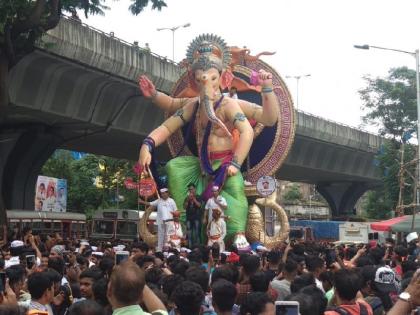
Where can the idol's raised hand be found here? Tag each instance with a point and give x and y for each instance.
(265, 78)
(147, 87)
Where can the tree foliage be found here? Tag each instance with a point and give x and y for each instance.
(390, 102)
(22, 22)
(93, 181)
(382, 202)
(391, 105)
(293, 194)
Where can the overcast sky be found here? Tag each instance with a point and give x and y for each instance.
(310, 37)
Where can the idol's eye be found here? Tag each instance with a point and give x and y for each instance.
(214, 77)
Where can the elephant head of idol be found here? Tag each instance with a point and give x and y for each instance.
(208, 59)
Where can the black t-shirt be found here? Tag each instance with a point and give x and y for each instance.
(192, 211)
(270, 274)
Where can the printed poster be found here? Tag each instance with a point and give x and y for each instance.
(51, 194)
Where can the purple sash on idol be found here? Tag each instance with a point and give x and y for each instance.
(218, 175)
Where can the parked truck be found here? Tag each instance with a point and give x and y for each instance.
(346, 232)
(311, 230)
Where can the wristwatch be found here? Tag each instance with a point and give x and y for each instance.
(406, 297)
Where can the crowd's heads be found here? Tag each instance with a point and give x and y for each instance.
(259, 282)
(347, 283)
(17, 248)
(327, 279)
(385, 280)
(86, 280)
(126, 285)
(250, 264)
(57, 263)
(16, 275)
(226, 272)
(99, 290)
(169, 283)
(13, 310)
(199, 276)
(315, 264)
(302, 281)
(274, 257)
(188, 297)
(153, 275)
(41, 288)
(57, 251)
(319, 301)
(290, 267)
(224, 294)
(306, 303)
(145, 262)
(257, 303)
(86, 307)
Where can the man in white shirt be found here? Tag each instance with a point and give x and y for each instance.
(165, 206)
(215, 202)
(17, 248)
(174, 235)
(216, 230)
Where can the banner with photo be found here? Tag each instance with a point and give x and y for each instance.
(51, 194)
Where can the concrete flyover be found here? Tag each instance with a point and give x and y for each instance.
(338, 159)
(78, 91)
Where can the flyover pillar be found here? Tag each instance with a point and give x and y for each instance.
(342, 197)
(23, 152)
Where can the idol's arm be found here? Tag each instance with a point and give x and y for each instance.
(246, 136)
(162, 100)
(267, 114)
(163, 132)
(168, 103)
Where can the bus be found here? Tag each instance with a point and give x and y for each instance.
(67, 224)
(119, 224)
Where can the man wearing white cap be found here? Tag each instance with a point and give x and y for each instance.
(165, 206)
(174, 234)
(215, 202)
(216, 230)
(17, 248)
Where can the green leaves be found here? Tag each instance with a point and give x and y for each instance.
(93, 181)
(381, 203)
(391, 105)
(293, 194)
(390, 102)
(138, 5)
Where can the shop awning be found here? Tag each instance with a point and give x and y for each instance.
(405, 225)
(387, 224)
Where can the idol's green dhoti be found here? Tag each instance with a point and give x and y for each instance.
(186, 169)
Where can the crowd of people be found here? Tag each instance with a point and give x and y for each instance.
(45, 274)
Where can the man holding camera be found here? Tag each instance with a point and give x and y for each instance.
(192, 206)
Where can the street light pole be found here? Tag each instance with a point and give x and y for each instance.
(415, 54)
(173, 29)
(297, 77)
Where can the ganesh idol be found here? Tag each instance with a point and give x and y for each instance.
(219, 126)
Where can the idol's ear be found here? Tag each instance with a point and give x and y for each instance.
(226, 79)
(191, 80)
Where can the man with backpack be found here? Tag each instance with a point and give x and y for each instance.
(347, 285)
